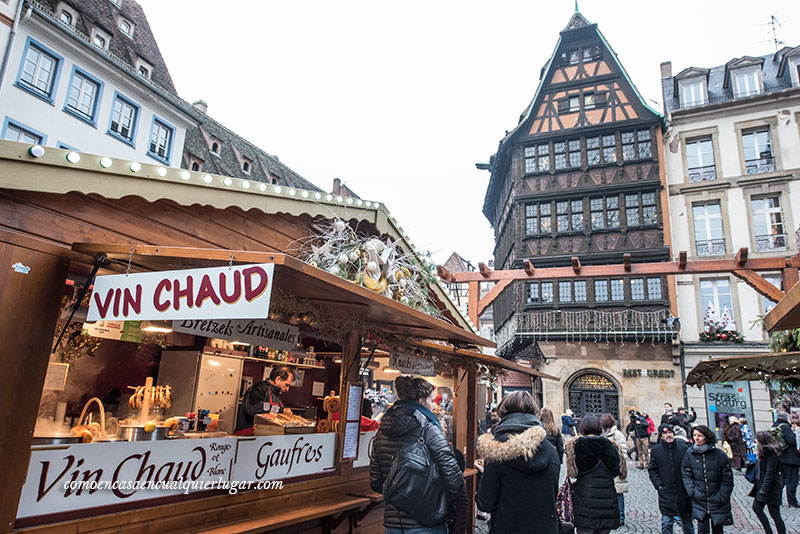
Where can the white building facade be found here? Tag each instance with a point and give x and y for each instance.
(92, 80)
(732, 156)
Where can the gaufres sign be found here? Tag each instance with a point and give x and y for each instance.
(235, 292)
(122, 471)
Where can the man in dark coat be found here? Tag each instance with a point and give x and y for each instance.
(789, 458)
(708, 479)
(520, 477)
(639, 426)
(665, 474)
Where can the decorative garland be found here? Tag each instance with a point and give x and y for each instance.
(730, 336)
(380, 266)
(75, 343)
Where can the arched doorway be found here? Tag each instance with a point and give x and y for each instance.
(593, 393)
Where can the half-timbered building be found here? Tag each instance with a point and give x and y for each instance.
(579, 181)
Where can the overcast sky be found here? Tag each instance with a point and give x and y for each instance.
(401, 99)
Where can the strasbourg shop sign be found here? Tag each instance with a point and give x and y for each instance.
(234, 292)
(186, 466)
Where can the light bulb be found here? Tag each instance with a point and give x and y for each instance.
(73, 157)
(36, 151)
(186, 175)
(161, 171)
(227, 181)
(207, 178)
(135, 166)
(105, 162)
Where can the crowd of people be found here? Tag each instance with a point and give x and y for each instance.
(522, 452)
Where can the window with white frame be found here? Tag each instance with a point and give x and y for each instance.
(537, 158)
(99, 40)
(38, 71)
(775, 280)
(82, 95)
(569, 215)
(692, 93)
(125, 27)
(768, 222)
(708, 235)
(604, 212)
(123, 118)
(540, 292)
(66, 17)
(718, 294)
(700, 159)
(640, 209)
(15, 132)
(538, 219)
(757, 149)
(160, 140)
(746, 83)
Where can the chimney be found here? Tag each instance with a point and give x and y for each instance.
(201, 106)
(666, 69)
(337, 186)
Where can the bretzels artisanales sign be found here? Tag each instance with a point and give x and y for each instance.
(234, 292)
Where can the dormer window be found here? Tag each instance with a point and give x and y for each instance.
(215, 148)
(143, 68)
(66, 18)
(99, 41)
(693, 92)
(246, 164)
(143, 72)
(125, 26)
(195, 166)
(746, 83)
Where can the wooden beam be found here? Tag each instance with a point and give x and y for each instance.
(485, 271)
(528, 267)
(626, 262)
(790, 278)
(444, 274)
(682, 259)
(786, 313)
(576, 264)
(472, 302)
(636, 269)
(492, 294)
(741, 256)
(759, 283)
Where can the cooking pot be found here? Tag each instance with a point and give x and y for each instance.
(57, 439)
(137, 433)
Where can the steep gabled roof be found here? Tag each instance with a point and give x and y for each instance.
(737, 63)
(577, 28)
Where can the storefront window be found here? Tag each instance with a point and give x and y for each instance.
(726, 399)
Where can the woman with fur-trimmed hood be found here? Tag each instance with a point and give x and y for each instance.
(593, 461)
(520, 478)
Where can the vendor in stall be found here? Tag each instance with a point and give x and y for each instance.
(264, 397)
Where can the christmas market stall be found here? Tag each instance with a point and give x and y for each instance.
(143, 305)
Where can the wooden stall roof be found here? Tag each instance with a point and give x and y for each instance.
(485, 359)
(300, 280)
(746, 367)
(53, 173)
(786, 313)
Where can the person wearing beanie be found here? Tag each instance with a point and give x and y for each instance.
(665, 474)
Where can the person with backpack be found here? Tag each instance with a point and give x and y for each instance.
(520, 474)
(708, 479)
(665, 474)
(415, 501)
(767, 487)
(789, 458)
(568, 424)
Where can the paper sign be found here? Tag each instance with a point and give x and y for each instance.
(259, 332)
(318, 389)
(56, 377)
(350, 447)
(412, 365)
(235, 292)
(118, 330)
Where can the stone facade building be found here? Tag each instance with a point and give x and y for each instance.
(732, 156)
(579, 181)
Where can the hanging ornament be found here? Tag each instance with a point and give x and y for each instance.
(372, 266)
(333, 269)
(339, 225)
(353, 255)
(343, 258)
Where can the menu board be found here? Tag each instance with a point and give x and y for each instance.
(56, 377)
(352, 420)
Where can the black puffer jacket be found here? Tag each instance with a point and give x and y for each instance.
(594, 461)
(708, 479)
(520, 478)
(665, 474)
(399, 427)
(767, 488)
(558, 442)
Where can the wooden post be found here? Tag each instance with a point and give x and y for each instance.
(472, 302)
(33, 284)
(471, 436)
(351, 356)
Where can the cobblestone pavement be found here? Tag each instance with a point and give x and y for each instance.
(642, 515)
